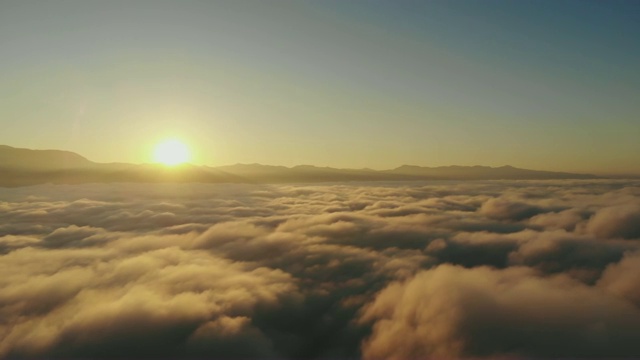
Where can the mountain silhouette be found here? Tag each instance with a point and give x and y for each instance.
(27, 159)
(21, 167)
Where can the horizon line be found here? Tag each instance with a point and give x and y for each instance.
(617, 174)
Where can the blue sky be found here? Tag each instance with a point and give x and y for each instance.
(539, 84)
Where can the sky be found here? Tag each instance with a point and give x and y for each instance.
(551, 85)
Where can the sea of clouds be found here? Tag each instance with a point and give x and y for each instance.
(375, 270)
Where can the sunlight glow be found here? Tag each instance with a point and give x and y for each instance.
(171, 152)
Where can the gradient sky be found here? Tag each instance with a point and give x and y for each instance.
(538, 84)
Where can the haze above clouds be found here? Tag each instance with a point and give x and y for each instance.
(548, 85)
(377, 270)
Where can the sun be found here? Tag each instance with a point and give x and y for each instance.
(171, 152)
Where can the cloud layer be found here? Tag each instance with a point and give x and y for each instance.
(387, 270)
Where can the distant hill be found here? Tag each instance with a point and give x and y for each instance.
(16, 158)
(20, 167)
(484, 173)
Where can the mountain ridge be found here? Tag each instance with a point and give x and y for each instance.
(19, 167)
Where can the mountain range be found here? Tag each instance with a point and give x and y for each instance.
(20, 167)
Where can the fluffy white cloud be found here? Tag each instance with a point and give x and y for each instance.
(453, 312)
(199, 270)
